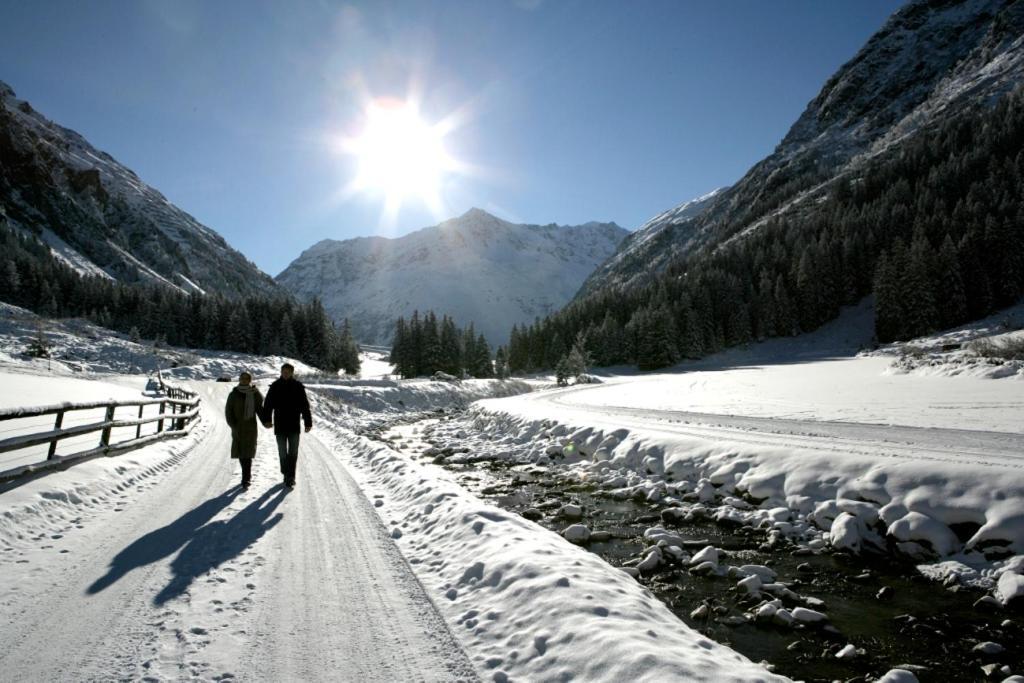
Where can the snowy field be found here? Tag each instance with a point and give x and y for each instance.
(822, 377)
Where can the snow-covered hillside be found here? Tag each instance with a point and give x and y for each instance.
(77, 347)
(99, 217)
(929, 61)
(668, 233)
(476, 268)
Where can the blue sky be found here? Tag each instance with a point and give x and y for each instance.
(568, 111)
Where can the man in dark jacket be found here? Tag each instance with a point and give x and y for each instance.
(286, 401)
(244, 403)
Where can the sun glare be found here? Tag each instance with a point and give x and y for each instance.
(399, 156)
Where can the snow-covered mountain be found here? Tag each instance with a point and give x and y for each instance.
(476, 268)
(667, 234)
(931, 59)
(100, 218)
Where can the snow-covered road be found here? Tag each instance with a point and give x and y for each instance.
(190, 578)
(961, 446)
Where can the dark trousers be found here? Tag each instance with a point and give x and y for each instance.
(246, 470)
(288, 453)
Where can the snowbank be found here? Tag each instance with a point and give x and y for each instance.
(960, 352)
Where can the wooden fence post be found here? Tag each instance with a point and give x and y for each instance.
(53, 444)
(138, 428)
(109, 417)
(160, 424)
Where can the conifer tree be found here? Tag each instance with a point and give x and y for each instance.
(482, 367)
(286, 333)
(950, 289)
(501, 364)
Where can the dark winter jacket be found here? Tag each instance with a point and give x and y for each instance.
(286, 401)
(243, 432)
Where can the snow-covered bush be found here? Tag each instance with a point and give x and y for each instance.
(1010, 348)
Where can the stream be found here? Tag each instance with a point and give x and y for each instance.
(892, 615)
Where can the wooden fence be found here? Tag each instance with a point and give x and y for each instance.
(178, 412)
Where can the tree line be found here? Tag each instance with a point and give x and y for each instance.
(424, 345)
(32, 278)
(934, 229)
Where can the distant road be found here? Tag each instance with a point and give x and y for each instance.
(920, 443)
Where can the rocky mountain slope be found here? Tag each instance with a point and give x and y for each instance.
(476, 268)
(99, 217)
(669, 233)
(931, 60)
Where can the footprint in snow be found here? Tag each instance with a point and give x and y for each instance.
(472, 573)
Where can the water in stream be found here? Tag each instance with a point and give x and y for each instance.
(916, 624)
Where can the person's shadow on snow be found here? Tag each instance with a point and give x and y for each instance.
(218, 542)
(161, 542)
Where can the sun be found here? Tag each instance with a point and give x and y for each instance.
(399, 155)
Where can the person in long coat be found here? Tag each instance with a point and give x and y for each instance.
(244, 406)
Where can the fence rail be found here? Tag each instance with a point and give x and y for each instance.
(180, 410)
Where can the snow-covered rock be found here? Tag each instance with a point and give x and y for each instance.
(571, 511)
(1010, 587)
(923, 537)
(808, 616)
(988, 648)
(847, 532)
(707, 554)
(651, 560)
(849, 651)
(577, 533)
(750, 585)
(658, 535)
(898, 676)
(766, 574)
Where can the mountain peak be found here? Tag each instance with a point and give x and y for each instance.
(477, 213)
(475, 267)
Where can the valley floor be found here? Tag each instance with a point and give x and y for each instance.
(381, 566)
